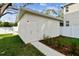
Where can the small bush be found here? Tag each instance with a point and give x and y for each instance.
(1, 24)
(57, 43)
(73, 48)
(15, 24)
(7, 24)
(48, 40)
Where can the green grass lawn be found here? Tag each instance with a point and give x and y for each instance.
(65, 45)
(12, 45)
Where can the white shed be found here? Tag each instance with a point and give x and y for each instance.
(33, 25)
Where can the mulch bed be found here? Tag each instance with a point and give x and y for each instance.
(66, 49)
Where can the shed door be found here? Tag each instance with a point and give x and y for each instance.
(34, 30)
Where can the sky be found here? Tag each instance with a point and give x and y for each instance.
(36, 6)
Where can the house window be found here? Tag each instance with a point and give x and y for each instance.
(67, 23)
(61, 23)
(67, 9)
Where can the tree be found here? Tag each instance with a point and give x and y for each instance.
(11, 8)
(0, 23)
(49, 12)
(61, 13)
(3, 7)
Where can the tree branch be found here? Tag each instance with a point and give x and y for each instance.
(14, 8)
(7, 13)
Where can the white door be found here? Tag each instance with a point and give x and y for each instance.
(33, 31)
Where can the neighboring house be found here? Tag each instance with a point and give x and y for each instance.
(33, 26)
(71, 14)
(71, 20)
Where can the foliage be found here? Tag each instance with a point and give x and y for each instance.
(0, 23)
(13, 9)
(49, 12)
(15, 24)
(7, 24)
(57, 43)
(47, 40)
(73, 48)
(61, 14)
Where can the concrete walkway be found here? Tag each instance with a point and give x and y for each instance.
(46, 50)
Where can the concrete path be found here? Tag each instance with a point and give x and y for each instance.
(46, 50)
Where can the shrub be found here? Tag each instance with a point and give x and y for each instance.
(1, 24)
(7, 24)
(15, 24)
(73, 48)
(57, 43)
(48, 40)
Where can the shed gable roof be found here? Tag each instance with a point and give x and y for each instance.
(24, 11)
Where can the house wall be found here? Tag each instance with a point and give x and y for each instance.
(33, 27)
(72, 31)
(72, 8)
(73, 17)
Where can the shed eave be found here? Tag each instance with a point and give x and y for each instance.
(68, 4)
(24, 11)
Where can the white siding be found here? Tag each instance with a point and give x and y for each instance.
(33, 27)
(73, 18)
(72, 31)
(72, 8)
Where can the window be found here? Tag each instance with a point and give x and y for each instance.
(67, 23)
(67, 9)
(61, 23)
